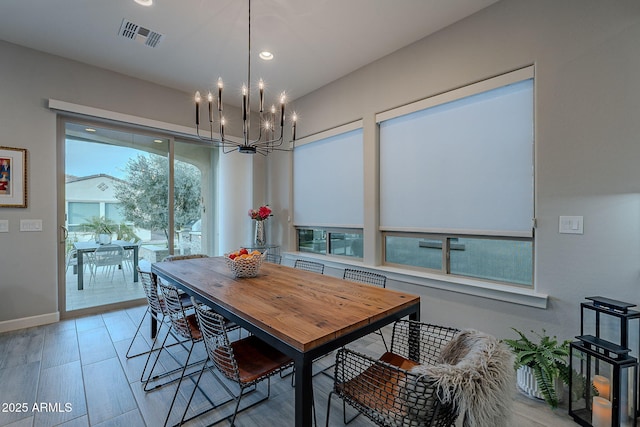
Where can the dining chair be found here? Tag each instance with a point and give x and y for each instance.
(386, 390)
(183, 328)
(313, 266)
(369, 278)
(109, 258)
(273, 258)
(245, 362)
(156, 310)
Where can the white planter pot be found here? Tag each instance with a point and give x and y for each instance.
(528, 385)
(104, 239)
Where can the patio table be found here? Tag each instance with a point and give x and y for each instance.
(87, 247)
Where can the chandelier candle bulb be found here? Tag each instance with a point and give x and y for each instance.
(261, 86)
(219, 93)
(210, 99)
(244, 102)
(282, 99)
(198, 99)
(295, 119)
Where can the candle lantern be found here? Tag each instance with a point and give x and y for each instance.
(602, 384)
(614, 321)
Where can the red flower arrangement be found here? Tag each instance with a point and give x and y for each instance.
(260, 214)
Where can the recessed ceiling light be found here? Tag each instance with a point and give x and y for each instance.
(267, 56)
(144, 2)
(90, 130)
(158, 141)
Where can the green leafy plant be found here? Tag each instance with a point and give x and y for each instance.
(99, 225)
(547, 358)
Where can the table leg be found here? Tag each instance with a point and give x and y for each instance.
(135, 263)
(304, 392)
(80, 270)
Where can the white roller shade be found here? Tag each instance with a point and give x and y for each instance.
(465, 166)
(328, 181)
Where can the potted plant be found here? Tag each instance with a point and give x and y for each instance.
(542, 367)
(101, 229)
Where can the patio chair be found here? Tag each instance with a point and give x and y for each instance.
(245, 362)
(369, 278)
(72, 261)
(313, 266)
(431, 375)
(109, 258)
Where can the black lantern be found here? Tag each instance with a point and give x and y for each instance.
(604, 377)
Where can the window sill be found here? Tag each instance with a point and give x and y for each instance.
(464, 285)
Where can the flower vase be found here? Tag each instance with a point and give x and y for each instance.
(260, 238)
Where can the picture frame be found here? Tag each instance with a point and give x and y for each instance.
(13, 177)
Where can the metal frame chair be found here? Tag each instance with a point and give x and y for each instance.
(273, 258)
(368, 278)
(245, 362)
(183, 328)
(385, 390)
(155, 309)
(312, 266)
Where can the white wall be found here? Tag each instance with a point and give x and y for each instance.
(587, 60)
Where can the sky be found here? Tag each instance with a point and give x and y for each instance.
(86, 158)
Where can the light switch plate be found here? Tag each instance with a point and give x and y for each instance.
(30, 225)
(4, 225)
(571, 225)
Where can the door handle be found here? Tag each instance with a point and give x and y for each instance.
(65, 233)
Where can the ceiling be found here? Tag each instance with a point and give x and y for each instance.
(314, 41)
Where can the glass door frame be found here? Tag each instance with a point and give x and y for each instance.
(61, 121)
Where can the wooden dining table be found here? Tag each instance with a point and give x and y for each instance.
(303, 314)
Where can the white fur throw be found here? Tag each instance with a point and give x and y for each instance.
(476, 372)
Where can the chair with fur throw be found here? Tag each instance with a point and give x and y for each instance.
(430, 376)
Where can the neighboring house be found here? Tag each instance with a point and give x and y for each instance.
(91, 196)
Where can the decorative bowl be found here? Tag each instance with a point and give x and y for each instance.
(245, 265)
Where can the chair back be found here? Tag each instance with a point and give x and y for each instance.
(107, 255)
(150, 288)
(216, 341)
(180, 257)
(365, 277)
(176, 312)
(273, 258)
(420, 342)
(315, 267)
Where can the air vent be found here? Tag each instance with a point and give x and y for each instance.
(135, 32)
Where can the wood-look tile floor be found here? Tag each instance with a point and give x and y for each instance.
(75, 373)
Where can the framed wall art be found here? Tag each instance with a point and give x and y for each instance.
(13, 177)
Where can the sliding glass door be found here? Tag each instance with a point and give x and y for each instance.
(130, 197)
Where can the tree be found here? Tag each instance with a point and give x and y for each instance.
(144, 193)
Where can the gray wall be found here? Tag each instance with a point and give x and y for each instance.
(28, 261)
(587, 60)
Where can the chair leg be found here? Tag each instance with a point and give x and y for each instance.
(175, 395)
(136, 334)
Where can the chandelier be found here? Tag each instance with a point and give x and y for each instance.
(269, 138)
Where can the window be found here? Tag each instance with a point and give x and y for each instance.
(328, 192)
(495, 259)
(325, 241)
(456, 181)
(80, 213)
